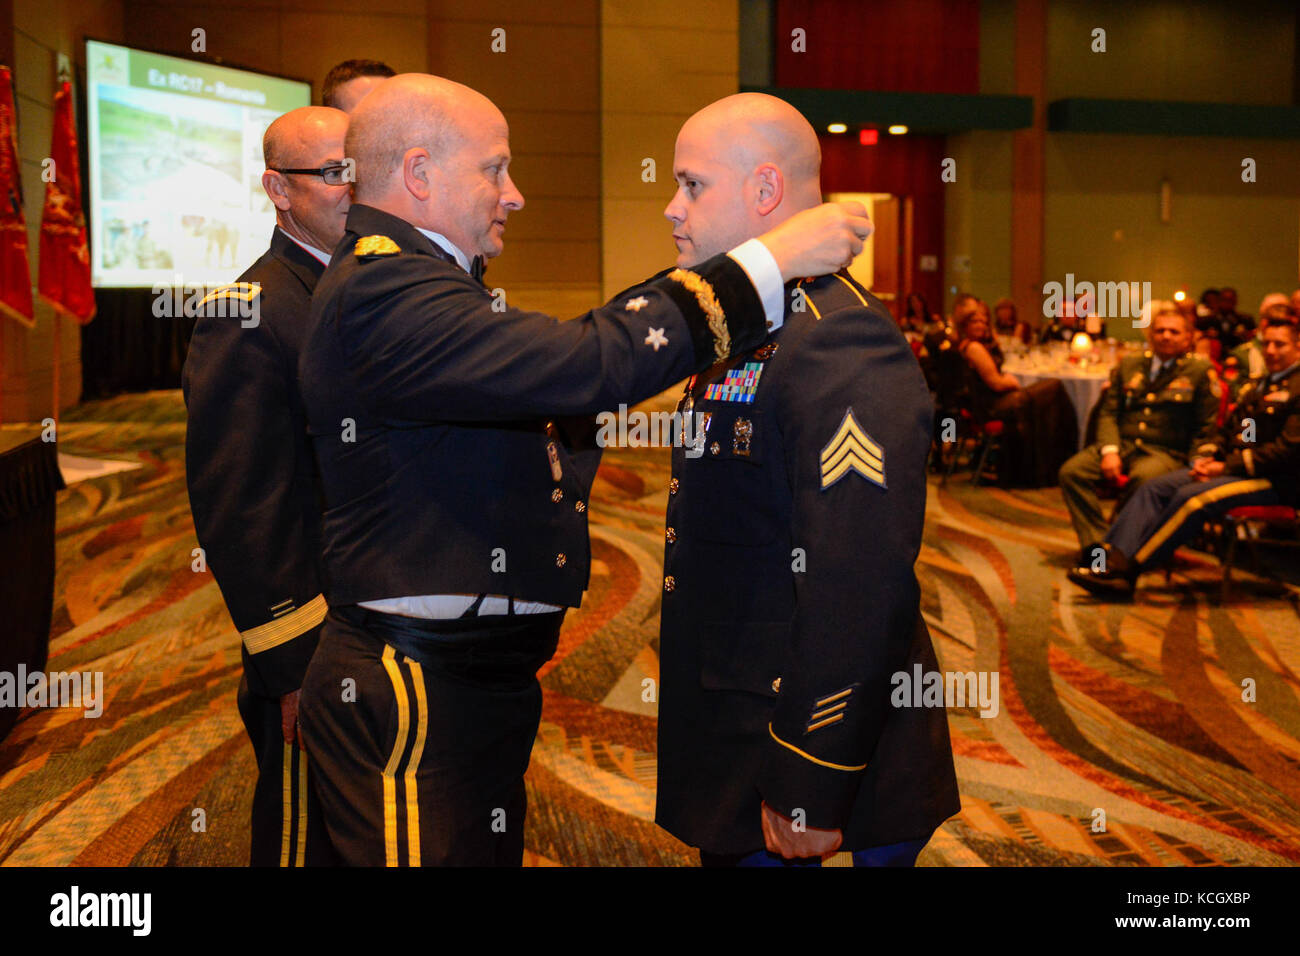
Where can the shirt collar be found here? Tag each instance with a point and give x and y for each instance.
(322, 256)
(448, 246)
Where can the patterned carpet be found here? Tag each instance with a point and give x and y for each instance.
(1134, 711)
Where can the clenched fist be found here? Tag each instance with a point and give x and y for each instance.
(820, 240)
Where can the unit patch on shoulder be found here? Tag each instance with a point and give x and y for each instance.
(852, 449)
(370, 246)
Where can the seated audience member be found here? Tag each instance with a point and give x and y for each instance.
(1087, 317)
(1006, 321)
(1255, 461)
(962, 305)
(1209, 305)
(976, 344)
(917, 317)
(1208, 345)
(1246, 361)
(936, 352)
(1062, 326)
(1295, 302)
(1187, 309)
(1235, 327)
(1158, 409)
(1039, 424)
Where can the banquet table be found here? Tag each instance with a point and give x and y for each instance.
(1083, 385)
(29, 480)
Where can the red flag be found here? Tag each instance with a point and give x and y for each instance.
(65, 256)
(15, 274)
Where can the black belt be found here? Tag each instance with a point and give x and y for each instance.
(475, 648)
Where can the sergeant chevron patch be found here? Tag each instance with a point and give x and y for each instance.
(852, 449)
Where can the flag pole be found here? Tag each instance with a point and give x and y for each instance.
(58, 361)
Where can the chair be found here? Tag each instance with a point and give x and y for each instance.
(1245, 524)
(990, 442)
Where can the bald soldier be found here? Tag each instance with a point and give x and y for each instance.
(249, 469)
(790, 607)
(456, 490)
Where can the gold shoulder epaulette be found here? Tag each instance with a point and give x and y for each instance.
(371, 246)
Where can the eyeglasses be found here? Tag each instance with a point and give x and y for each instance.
(333, 175)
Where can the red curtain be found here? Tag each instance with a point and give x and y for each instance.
(920, 46)
(903, 166)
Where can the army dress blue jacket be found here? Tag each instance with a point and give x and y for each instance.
(790, 598)
(249, 465)
(442, 419)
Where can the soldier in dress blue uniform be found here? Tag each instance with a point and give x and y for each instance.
(456, 490)
(1256, 462)
(251, 477)
(793, 524)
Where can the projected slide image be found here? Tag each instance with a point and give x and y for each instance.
(132, 242)
(175, 166)
(151, 152)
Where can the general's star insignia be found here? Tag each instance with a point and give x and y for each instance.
(852, 449)
(656, 338)
(637, 304)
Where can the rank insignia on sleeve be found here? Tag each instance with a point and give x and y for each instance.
(852, 449)
(829, 709)
(656, 338)
(368, 246)
(637, 304)
(244, 291)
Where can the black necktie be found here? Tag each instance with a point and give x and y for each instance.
(477, 268)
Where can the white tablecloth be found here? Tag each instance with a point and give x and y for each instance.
(1084, 388)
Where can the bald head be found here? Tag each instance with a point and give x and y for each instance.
(435, 153)
(307, 207)
(412, 110)
(292, 139)
(749, 129)
(743, 165)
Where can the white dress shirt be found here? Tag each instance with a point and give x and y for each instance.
(322, 256)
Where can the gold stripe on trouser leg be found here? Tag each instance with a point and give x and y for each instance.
(390, 771)
(843, 858)
(412, 765)
(301, 859)
(1193, 504)
(286, 803)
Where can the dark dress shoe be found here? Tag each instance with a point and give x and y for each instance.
(1103, 583)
